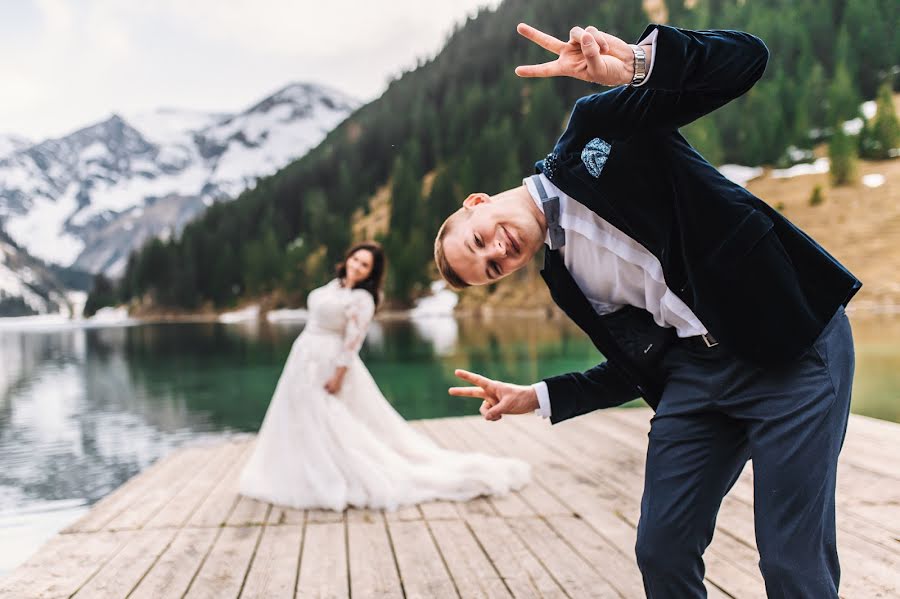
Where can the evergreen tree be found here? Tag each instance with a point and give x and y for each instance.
(405, 244)
(185, 290)
(816, 88)
(883, 133)
(703, 135)
(444, 198)
(843, 99)
(816, 198)
(870, 31)
(103, 293)
(843, 156)
(262, 263)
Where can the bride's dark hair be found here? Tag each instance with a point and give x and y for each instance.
(375, 280)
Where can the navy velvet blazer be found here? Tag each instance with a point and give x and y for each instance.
(762, 287)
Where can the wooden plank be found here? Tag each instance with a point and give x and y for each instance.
(575, 575)
(222, 574)
(471, 569)
(163, 489)
(881, 431)
(510, 505)
(116, 502)
(866, 572)
(726, 567)
(523, 574)
(590, 499)
(480, 506)
(619, 571)
(323, 516)
(535, 494)
(867, 507)
(732, 554)
(179, 509)
(171, 575)
(869, 497)
(248, 512)
(623, 475)
(217, 506)
(63, 565)
(588, 478)
(373, 570)
(364, 515)
(736, 519)
(285, 515)
(273, 572)
(406, 513)
(122, 573)
(439, 510)
(421, 567)
(323, 567)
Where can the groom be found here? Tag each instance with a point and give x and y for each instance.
(712, 306)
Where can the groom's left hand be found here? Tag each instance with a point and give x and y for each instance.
(499, 397)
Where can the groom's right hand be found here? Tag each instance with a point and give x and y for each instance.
(590, 55)
(499, 397)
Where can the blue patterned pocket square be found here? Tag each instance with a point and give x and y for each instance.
(594, 156)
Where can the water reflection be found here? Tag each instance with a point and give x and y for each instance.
(876, 386)
(74, 421)
(441, 332)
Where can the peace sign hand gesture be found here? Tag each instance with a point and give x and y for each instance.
(589, 55)
(499, 397)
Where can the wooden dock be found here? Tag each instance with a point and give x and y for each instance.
(180, 530)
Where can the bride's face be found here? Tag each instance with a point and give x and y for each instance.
(359, 266)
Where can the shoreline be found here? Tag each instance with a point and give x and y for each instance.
(859, 309)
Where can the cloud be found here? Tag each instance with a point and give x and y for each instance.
(89, 58)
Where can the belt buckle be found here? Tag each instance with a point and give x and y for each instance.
(709, 340)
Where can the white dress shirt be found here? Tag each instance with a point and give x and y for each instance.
(612, 270)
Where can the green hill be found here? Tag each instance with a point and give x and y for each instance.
(463, 121)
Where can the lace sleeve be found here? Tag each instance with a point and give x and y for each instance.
(359, 314)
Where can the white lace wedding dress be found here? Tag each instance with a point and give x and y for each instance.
(316, 450)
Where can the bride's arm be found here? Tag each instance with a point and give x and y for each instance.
(359, 314)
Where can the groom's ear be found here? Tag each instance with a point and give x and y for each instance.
(476, 199)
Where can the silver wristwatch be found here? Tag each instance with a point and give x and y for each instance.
(640, 64)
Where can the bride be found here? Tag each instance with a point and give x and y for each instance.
(331, 440)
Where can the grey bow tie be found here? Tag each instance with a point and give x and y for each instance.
(551, 214)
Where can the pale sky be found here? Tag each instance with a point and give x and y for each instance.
(65, 64)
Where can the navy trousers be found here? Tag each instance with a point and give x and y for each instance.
(716, 413)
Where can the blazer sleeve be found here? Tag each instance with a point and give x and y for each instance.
(694, 73)
(577, 393)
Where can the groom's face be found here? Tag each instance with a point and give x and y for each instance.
(490, 240)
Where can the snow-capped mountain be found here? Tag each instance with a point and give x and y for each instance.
(88, 199)
(12, 143)
(26, 285)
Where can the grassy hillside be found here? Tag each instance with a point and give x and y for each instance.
(860, 226)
